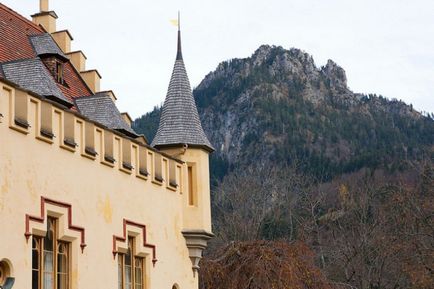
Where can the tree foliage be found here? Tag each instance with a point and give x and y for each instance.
(367, 230)
(262, 264)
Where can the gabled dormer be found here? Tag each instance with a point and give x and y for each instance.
(51, 55)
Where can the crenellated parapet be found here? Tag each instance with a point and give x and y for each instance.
(42, 120)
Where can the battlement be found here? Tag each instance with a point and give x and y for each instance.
(48, 122)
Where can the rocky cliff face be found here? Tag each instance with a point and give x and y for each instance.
(277, 106)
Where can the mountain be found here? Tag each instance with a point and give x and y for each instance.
(348, 175)
(277, 107)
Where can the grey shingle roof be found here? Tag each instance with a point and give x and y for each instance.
(44, 44)
(31, 74)
(179, 122)
(101, 108)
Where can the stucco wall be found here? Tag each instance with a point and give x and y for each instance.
(101, 197)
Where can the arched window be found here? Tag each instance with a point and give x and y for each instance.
(130, 268)
(50, 260)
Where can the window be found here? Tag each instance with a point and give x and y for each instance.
(130, 269)
(192, 197)
(59, 72)
(50, 260)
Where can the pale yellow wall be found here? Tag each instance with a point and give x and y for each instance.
(196, 216)
(101, 197)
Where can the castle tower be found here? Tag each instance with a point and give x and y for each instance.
(180, 134)
(179, 123)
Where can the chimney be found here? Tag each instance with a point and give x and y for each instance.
(92, 79)
(127, 118)
(43, 6)
(45, 17)
(78, 60)
(63, 39)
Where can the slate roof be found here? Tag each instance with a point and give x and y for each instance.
(179, 122)
(31, 74)
(44, 45)
(101, 108)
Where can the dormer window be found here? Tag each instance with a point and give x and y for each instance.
(56, 67)
(59, 72)
(51, 54)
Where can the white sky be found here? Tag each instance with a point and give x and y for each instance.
(385, 46)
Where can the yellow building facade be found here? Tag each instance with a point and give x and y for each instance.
(87, 205)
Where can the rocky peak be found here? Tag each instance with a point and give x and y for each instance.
(334, 75)
(261, 54)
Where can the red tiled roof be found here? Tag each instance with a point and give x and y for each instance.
(15, 45)
(76, 85)
(14, 32)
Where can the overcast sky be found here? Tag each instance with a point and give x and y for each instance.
(385, 46)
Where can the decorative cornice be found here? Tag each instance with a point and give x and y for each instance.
(42, 218)
(123, 239)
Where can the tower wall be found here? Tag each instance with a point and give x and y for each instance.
(196, 214)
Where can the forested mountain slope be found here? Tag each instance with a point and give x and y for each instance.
(277, 106)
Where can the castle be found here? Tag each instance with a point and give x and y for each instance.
(86, 202)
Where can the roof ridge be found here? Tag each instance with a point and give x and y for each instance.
(20, 17)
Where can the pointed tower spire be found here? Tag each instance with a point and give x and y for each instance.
(179, 52)
(179, 123)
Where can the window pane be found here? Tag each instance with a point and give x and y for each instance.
(49, 237)
(62, 273)
(120, 272)
(129, 265)
(138, 266)
(35, 279)
(48, 270)
(62, 261)
(62, 281)
(62, 266)
(48, 281)
(48, 260)
(128, 277)
(128, 257)
(35, 253)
